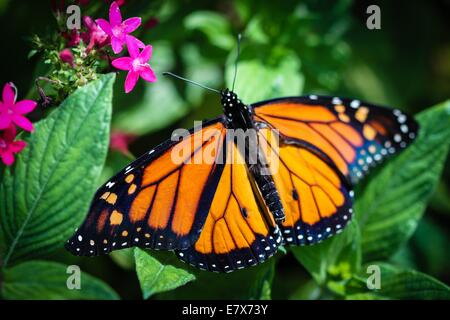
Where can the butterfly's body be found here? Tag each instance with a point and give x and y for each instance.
(239, 117)
(223, 216)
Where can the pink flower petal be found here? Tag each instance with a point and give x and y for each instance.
(9, 94)
(24, 106)
(18, 146)
(132, 24)
(131, 80)
(116, 44)
(114, 14)
(104, 25)
(5, 121)
(148, 75)
(22, 122)
(123, 63)
(7, 158)
(146, 54)
(132, 45)
(88, 22)
(140, 44)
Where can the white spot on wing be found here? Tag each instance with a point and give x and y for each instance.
(354, 104)
(404, 128)
(401, 118)
(336, 100)
(110, 184)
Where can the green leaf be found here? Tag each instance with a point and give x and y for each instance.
(261, 288)
(308, 290)
(394, 200)
(47, 193)
(248, 283)
(156, 277)
(48, 280)
(255, 31)
(257, 80)
(440, 201)
(214, 25)
(200, 68)
(338, 256)
(397, 283)
(124, 258)
(433, 259)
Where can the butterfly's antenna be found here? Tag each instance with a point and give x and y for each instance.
(190, 81)
(237, 59)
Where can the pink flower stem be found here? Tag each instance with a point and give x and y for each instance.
(45, 101)
(110, 66)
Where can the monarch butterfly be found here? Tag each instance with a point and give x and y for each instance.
(236, 210)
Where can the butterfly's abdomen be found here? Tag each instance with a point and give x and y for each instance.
(270, 195)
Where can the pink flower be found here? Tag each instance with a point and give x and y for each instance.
(72, 37)
(136, 64)
(119, 141)
(8, 147)
(118, 30)
(66, 56)
(12, 112)
(94, 36)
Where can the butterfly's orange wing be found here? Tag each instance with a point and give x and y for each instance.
(239, 231)
(159, 201)
(355, 135)
(316, 197)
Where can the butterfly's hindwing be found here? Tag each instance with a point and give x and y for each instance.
(316, 198)
(237, 232)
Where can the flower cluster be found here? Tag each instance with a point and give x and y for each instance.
(119, 33)
(12, 114)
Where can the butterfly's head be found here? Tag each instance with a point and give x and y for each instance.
(237, 113)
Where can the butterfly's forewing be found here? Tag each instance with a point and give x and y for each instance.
(160, 201)
(238, 231)
(317, 199)
(354, 134)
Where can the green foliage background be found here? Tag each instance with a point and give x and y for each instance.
(402, 218)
